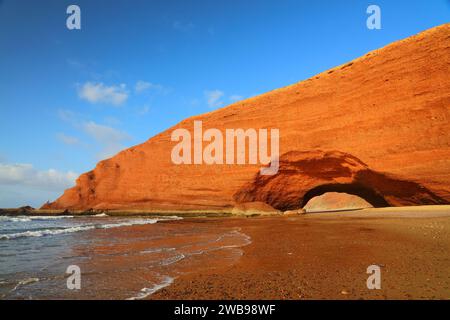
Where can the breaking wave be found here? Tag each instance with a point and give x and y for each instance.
(31, 218)
(84, 227)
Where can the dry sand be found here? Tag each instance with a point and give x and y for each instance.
(325, 256)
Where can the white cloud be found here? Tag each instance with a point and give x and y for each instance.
(235, 97)
(27, 175)
(142, 86)
(69, 140)
(213, 98)
(110, 139)
(100, 93)
(103, 133)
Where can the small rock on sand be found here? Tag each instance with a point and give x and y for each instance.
(294, 212)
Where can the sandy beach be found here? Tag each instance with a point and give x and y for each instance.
(309, 256)
(325, 256)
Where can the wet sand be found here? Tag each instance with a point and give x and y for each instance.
(311, 256)
(118, 257)
(326, 255)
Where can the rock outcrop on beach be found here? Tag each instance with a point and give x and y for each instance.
(16, 211)
(335, 201)
(376, 127)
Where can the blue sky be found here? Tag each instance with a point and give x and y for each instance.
(69, 98)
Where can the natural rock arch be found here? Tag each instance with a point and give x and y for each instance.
(304, 174)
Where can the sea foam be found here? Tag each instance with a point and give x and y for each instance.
(85, 227)
(145, 292)
(30, 218)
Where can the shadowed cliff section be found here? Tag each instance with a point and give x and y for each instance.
(389, 108)
(305, 175)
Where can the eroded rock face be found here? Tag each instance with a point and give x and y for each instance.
(377, 126)
(304, 175)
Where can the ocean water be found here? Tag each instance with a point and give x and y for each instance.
(119, 257)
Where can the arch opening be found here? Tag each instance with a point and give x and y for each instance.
(369, 195)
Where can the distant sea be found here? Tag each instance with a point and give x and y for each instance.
(119, 257)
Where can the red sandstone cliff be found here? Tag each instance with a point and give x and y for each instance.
(377, 127)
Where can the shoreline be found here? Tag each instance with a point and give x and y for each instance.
(112, 213)
(326, 256)
(310, 256)
(232, 212)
